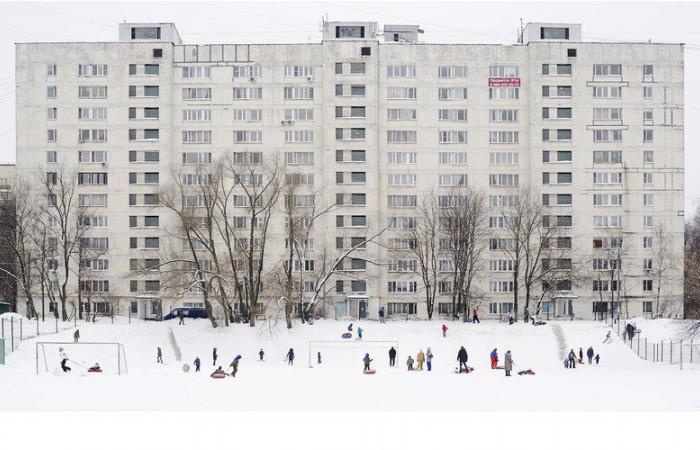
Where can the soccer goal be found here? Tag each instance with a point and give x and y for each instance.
(81, 356)
(344, 354)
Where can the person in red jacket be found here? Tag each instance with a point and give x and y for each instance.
(475, 316)
(444, 330)
(494, 358)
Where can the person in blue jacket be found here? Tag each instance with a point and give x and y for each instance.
(234, 365)
(197, 363)
(367, 360)
(290, 357)
(359, 332)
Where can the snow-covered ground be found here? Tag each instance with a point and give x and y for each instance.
(621, 381)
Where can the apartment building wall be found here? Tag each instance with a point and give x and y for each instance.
(666, 102)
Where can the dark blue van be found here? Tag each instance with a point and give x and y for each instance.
(190, 313)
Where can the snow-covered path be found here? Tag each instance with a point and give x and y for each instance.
(621, 382)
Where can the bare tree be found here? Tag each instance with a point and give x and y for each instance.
(463, 239)
(18, 223)
(664, 264)
(691, 279)
(64, 215)
(425, 248)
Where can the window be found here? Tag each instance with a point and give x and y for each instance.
(298, 93)
(92, 91)
(648, 178)
(504, 93)
(648, 156)
(453, 158)
(247, 71)
(503, 115)
(303, 158)
(647, 285)
(503, 158)
(402, 201)
(571, 52)
(647, 307)
(648, 92)
(51, 70)
(452, 93)
(196, 72)
(151, 69)
(365, 51)
(401, 179)
(607, 70)
(295, 136)
(556, 91)
(554, 33)
(648, 200)
(401, 93)
(401, 136)
(607, 114)
(452, 137)
(158, 52)
(296, 114)
(503, 137)
(452, 72)
(92, 70)
(51, 156)
(648, 221)
(607, 157)
(401, 157)
(401, 71)
(648, 116)
(503, 71)
(51, 113)
(607, 199)
(607, 135)
(196, 93)
(99, 113)
(298, 71)
(196, 158)
(247, 136)
(247, 93)
(51, 92)
(399, 113)
(560, 156)
(647, 70)
(648, 136)
(51, 135)
(503, 179)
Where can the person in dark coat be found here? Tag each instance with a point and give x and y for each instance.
(590, 354)
(261, 354)
(630, 331)
(526, 316)
(197, 363)
(160, 356)
(580, 355)
(462, 357)
(392, 357)
(214, 356)
(234, 365)
(359, 332)
(572, 359)
(181, 316)
(290, 357)
(597, 359)
(381, 315)
(367, 360)
(508, 363)
(76, 336)
(318, 357)
(350, 328)
(409, 363)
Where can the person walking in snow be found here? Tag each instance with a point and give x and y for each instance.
(261, 354)
(580, 355)
(359, 333)
(64, 360)
(234, 365)
(444, 330)
(381, 315)
(526, 315)
(475, 316)
(318, 357)
(350, 328)
(290, 357)
(409, 362)
(160, 356)
(590, 354)
(462, 357)
(197, 363)
(508, 363)
(76, 336)
(429, 359)
(214, 356)
(420, 358)
(392, 357)
(366, 360)
(597, 359)
(572, 359)
(181, 316)
(494, 358)
(566, 363)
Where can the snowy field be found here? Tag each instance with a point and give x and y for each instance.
(621, 381)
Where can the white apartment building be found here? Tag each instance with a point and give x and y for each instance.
(374, 122)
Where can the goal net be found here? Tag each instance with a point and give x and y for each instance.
(349, 354)
(81, 356)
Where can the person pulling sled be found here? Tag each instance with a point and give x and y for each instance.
(367, 360)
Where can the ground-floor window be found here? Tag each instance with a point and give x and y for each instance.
(646, 307)
(445, 309)
(501, 308)
(193, 304)
(134, 307)
(401, 308)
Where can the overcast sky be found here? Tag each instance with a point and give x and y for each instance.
(300, 22)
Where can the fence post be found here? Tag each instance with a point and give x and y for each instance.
(21, 336)
(119, 362)
(681, 354)
(662, 351)
(12, 332)
(37, 325)
(56, 319)
(645, 348)
(2, 325)
(691, 350)
(671, 358)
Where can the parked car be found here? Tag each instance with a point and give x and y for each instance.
(191, 313)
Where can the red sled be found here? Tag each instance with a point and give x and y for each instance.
(94, 370)
(369, 372)
(218, 375)
(346, 335)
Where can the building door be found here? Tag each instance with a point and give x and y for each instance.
(362, 309)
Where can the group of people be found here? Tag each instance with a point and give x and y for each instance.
(571, 360)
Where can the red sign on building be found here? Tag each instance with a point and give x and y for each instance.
(501, 82)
